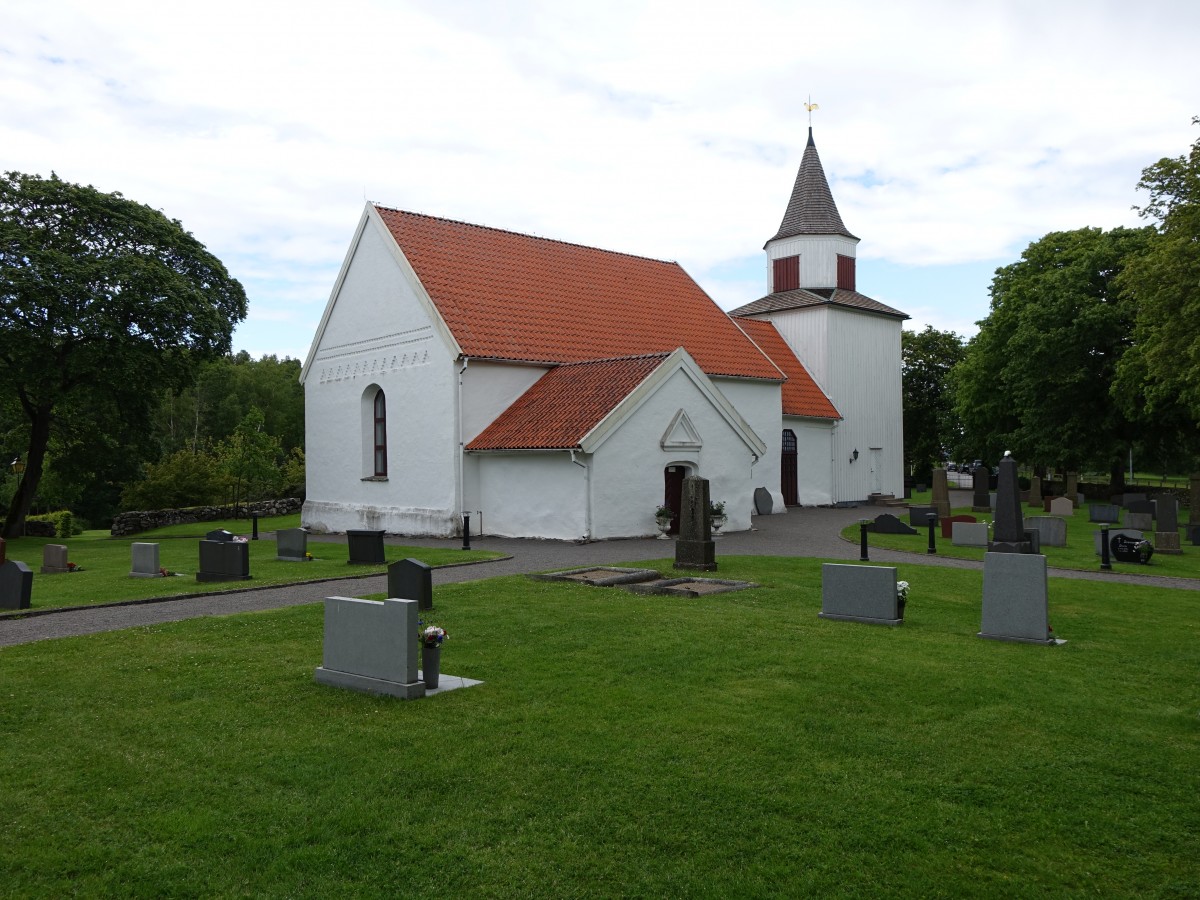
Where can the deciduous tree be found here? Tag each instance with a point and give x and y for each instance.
(105, 302)
(930, 423)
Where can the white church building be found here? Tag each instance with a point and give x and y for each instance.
(554, 390)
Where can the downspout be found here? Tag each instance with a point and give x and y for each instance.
(462, 447)
(587, 497)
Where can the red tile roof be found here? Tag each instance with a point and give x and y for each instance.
(801, 396)
(512, 296)
(566, 403)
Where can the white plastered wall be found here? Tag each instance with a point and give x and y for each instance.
(377, 332)
(814, 465)
(761, 405)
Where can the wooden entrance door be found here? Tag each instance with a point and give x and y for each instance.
(673, 493)
(787, 469)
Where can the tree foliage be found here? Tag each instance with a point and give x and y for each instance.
(1165, 281)
(1038, 377)
(105, 302)
(930, 422)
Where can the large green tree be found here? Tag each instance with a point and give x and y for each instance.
(1038, 377)
(105, 302)
(930, 422)
(1164, 363)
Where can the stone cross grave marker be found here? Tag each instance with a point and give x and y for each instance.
(411, 579)
(145, 561)
(371, 646)
(859, 594)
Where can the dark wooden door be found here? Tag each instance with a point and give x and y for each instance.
(673, 493)
(787, 469)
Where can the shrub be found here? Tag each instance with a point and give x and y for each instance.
(63, 522)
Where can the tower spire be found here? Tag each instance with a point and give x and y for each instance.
(811, 209)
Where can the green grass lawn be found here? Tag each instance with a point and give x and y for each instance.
(622, 745)
(106, 562)
(1080, 552)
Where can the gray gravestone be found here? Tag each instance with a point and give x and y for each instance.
(16, 585)
(1142, 507)
(1167, 542)
(889, 524)
(941, 493)
(1008, 531)
(291, 545)
(948, 524)
(365, 547)
(1104, 512)
(1097, 537)
(763, 504)
(1015, 604)
(1062, 506)
(145, 561)
(967, 534)
(223, 559)
(1134, 498)
(1139, 521)
(919, 515)
(411, 579)
(1052, 531)
(859, 594)
(1035, 491)
(1072, 489)
(54, 559)
(981, 499)
(371, 645)
(694, 548)
(1166, 513)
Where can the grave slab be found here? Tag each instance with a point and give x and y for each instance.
(1062, 506)
(860, 594)
(145, 561)
(599, 576)
(966, 534)
(1015, 606)
(1052, 530)
(371, 646)
(16, 585)
(886, 523)
(365, 547)
(291, 545)
(1104, 512)
(54, 559)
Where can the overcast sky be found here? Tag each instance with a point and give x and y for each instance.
(953, 133)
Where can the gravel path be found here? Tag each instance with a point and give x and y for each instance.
(809, 532)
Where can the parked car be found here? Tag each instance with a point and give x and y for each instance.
(978, 464)
(952, 467)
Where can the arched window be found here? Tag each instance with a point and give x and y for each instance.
(788, 474)
(380, 434)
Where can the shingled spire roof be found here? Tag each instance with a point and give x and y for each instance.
(811, 209)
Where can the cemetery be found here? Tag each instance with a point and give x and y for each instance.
(600, 710)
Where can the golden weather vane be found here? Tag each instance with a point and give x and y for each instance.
(810, 106)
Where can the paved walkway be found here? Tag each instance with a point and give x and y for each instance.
(806, 532)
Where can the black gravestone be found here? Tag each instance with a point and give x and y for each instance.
(695, 549)
(1127, 549)
(919, 515)
(1145, 507)
(223, 559)
(411, 579)
(763, 503)
(366, 548)
(16, 585)
(889, 524)
(1008, 529)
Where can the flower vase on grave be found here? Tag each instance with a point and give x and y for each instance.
(664, 526)
(431, 665)
(716, 523)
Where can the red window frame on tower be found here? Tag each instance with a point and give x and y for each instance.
(845, 273)
(380, 434)
(786, 274)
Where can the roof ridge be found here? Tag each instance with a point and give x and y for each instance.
(522, 234)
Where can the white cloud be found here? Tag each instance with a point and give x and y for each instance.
(950, 132)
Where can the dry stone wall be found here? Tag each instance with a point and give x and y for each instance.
(133, 522)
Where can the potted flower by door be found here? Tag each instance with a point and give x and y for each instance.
(662, 518)
(431, 639)
(716, 516)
